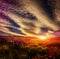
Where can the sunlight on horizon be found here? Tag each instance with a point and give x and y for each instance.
(43, 38)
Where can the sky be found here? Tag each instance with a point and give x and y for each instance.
(30, 18)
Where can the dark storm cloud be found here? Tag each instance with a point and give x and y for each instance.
(25, 14)
(45, 29)
(48, 7)
(9, 19)
(15, 30)
(12, 2)
(4, 33)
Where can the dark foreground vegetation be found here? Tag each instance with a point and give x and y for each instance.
(19, 50)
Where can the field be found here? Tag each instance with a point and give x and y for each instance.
(18, 47)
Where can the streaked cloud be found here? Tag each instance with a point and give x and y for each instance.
(31, 19)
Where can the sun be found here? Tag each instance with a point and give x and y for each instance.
(42, 37)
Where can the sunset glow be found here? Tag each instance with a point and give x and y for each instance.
(29, 29)
(42, 37)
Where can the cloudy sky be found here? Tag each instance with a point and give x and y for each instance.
(37, 17)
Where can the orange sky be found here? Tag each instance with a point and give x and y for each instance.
(33, 40)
